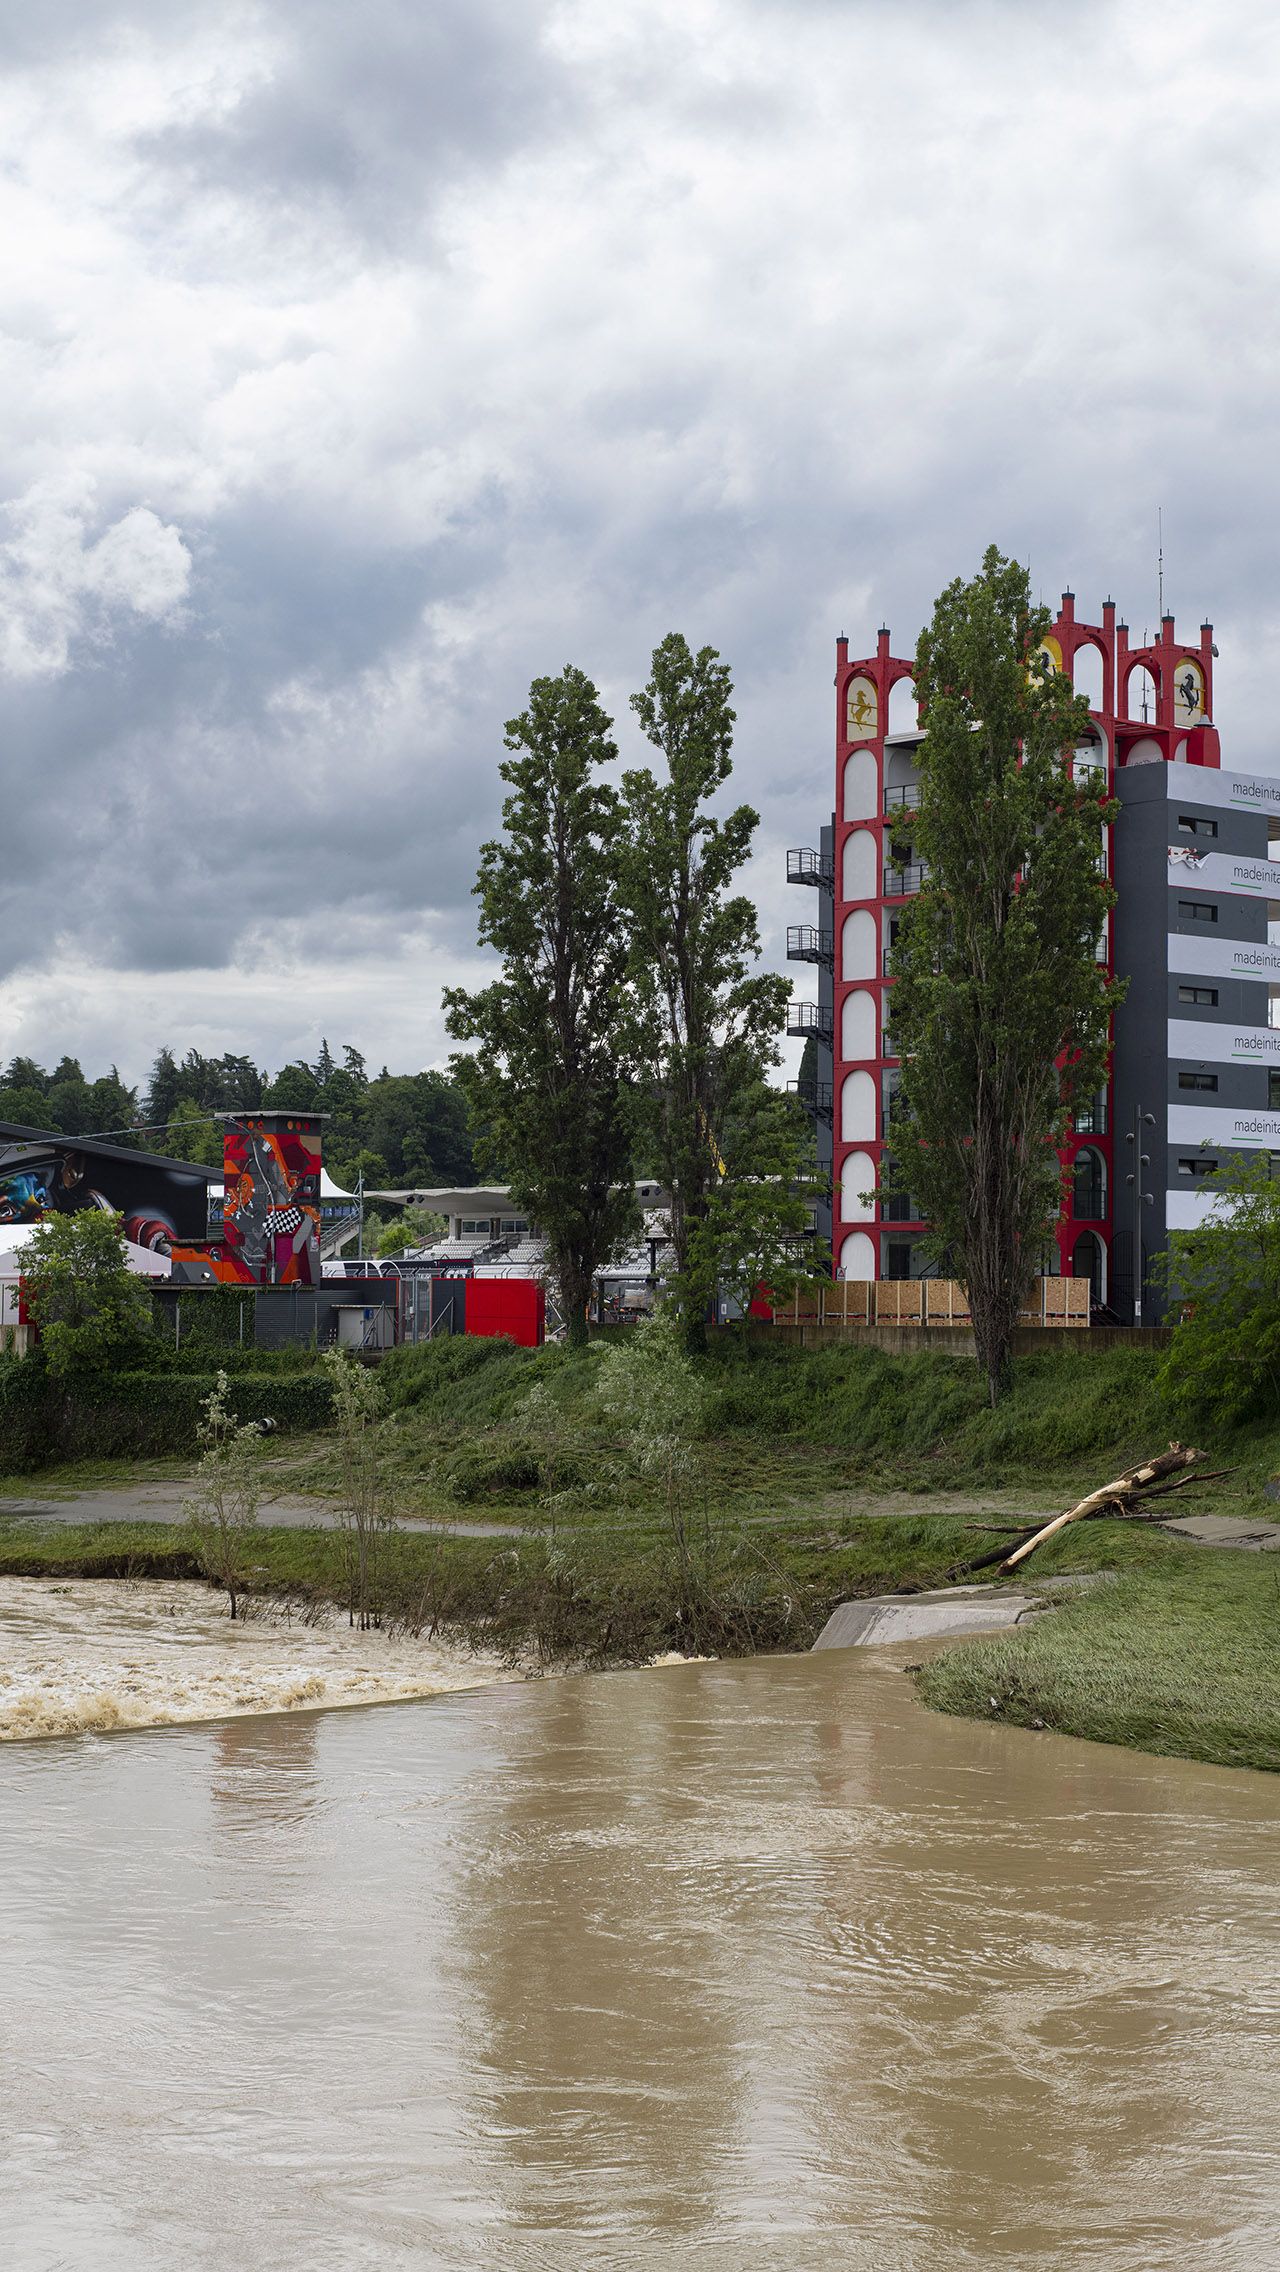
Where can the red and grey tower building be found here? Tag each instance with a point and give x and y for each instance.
(1150, 706)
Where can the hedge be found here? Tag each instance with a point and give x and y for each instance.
(136, 1414)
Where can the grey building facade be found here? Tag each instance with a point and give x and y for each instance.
(1197, 1058)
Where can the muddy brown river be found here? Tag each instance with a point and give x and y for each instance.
(753, 1965)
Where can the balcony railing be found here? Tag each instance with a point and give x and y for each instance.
(805, 943)
(805, 1018)
(902, 797)
(899, 1209)
(806, 867)
(815, 1096)
(899, 883)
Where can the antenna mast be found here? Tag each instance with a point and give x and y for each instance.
(1160, 555)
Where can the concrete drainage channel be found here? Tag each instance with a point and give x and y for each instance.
(882, 1618)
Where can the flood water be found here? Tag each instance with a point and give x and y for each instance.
(748, 1965)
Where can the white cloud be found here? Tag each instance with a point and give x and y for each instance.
(359, 365)
(56, 586)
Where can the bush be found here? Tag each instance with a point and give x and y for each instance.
(136, 1415)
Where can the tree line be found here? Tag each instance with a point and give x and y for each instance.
(392, 1128)
(629, 1029)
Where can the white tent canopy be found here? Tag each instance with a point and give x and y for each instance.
(328, 1188)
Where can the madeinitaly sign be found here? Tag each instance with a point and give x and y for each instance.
(1242, 874)
(1223, 1129)
(1234, 792)
(1223, 958)
(1206, 1043)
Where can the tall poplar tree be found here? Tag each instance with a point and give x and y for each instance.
(1000, 1012)
(547, 1084)
(731, 1150)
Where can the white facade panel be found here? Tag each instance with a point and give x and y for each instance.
(1224, 1128)
(859, 1027)
(1194, 957)
(1240, 874)
(858, 1257)
(1187, 1210)
(857, 1182)
(1209, 1044)
(860, 867)
(1236, 792)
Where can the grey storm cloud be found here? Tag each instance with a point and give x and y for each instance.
(361, 364)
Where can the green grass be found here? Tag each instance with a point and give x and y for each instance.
(789, 1430)
(1180, 1657)
(801, 1448)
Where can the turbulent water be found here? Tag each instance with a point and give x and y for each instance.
(88, 1653)
(751, 1965)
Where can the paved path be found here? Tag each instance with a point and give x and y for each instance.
(162, 1503)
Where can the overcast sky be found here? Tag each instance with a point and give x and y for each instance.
(360, 362)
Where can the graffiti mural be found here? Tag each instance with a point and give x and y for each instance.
(160, 1200)
(271, 1201)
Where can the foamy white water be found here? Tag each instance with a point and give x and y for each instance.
(94, 1653)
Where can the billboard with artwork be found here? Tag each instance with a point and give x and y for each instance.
(162, 1201)
(271, 1200)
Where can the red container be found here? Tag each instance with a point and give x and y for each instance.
(516, 1307)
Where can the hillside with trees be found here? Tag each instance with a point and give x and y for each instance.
(396, 1128)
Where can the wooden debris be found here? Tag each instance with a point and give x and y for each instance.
(1109, 1499)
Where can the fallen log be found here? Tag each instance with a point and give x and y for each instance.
(1104, 1500)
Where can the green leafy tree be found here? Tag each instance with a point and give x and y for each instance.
(414, 1226)
(81, 1294)
(707, 1022)
(548, 1082)
(222, 1509)
(163, 1090)
(24, 1107)
(113, 1108)
(1224, 1358)
(294, 1089)
(1000, 1011)
(192, 1135)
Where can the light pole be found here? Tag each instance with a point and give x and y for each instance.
(1141, 1199)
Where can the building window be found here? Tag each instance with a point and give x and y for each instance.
(1198, 1080)
(1273, 1091)
(897, 1260)
(1091, 1119)
(1204, 997)
(1089, 1187)
(1197, 911)
(1197, 1169)
(1192, 825)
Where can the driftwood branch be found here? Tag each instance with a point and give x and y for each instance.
(1105, 1500)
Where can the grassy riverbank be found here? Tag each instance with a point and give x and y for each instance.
(1181, 1658)
(817, 1476)
(783, 1428)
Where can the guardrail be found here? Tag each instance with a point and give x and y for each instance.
(806, 943)
(805, 1018)
(899, 883)
(807, 867)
